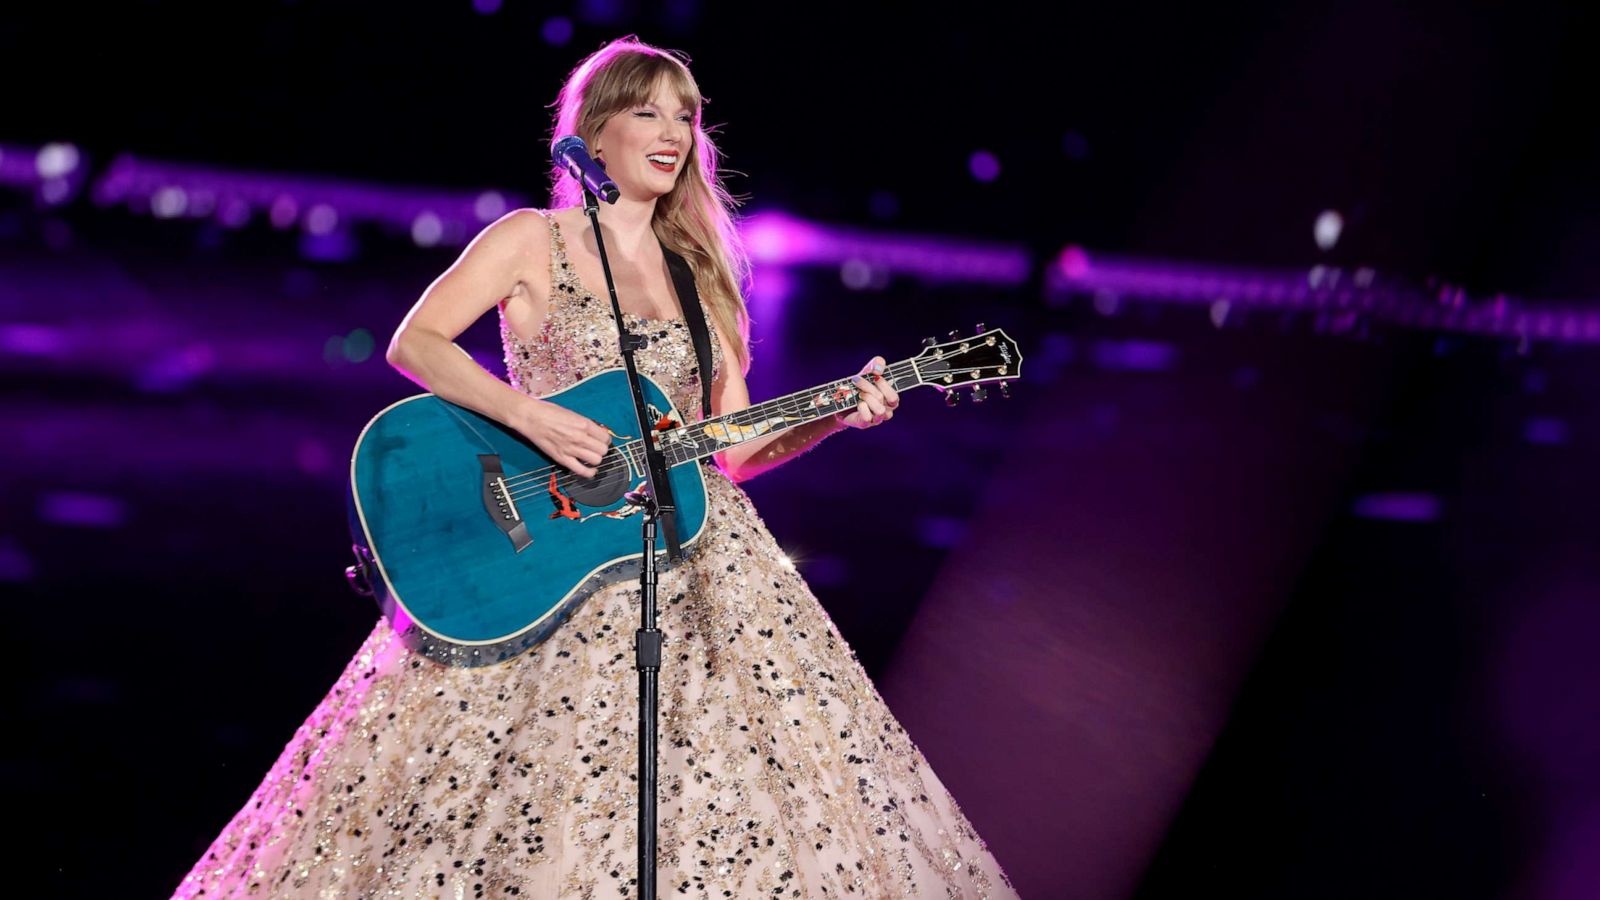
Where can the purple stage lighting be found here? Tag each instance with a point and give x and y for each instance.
(1342, 299)
(325, 208)
(1398, 507)
(82, 510)
(984, 166)
(54, 172)
(557, 31)
(779, 239)
(15, 565)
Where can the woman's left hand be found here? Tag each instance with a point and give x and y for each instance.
(876, 397)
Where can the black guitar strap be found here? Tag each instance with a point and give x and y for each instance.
(694, 317)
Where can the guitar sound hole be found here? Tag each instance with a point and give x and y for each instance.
(607, 486)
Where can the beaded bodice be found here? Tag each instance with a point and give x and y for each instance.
(579, 338)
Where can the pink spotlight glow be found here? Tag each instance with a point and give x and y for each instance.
(773, 237)
(770, 286)
(1073, 263)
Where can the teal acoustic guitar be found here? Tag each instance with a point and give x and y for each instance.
(477, 547)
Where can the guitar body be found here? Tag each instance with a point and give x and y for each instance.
(477, 546)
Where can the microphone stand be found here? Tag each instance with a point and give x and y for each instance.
(655, 497)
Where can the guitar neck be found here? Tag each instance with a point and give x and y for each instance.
(702, 439)
(969, 362)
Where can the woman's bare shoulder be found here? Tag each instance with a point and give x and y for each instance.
(529, 219)
(529, 230)
(524, 235)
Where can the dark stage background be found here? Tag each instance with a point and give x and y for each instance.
(1249, 591)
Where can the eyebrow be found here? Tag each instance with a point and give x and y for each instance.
(686, 109)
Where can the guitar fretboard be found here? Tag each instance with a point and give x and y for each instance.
(702, 439)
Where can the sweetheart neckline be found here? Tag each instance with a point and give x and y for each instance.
(572, 276)
(506, 323)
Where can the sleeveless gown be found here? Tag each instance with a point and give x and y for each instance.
(782, 772)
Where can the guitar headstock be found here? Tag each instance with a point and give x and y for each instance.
(987, 356)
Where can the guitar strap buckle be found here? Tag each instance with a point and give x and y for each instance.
(359, 576)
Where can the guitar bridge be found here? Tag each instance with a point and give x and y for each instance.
(499, 504)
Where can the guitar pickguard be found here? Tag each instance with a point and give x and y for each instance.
(566, 507)
(627, 508)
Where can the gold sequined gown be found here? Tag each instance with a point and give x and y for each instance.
(782, 772)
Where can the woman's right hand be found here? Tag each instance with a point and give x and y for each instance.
(569, 439)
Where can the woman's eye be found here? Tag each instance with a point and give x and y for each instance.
(686, 118)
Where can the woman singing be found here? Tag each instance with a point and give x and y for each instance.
(782, 771)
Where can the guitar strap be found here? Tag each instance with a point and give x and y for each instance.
(694, 317)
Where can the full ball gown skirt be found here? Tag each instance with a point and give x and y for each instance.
(782, 772)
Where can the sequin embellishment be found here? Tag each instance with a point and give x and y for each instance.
(579, 338)
(782, 771)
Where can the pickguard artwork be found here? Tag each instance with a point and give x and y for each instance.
(622, 512)
(566, 507)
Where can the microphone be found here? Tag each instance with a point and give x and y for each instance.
(572, 154)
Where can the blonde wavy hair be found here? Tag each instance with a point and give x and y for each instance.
(695, 219)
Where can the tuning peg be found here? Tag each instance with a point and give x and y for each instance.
(929, 342)
(955, 334)
(979, 329)
(1005, 389)
(978, 393)
(951, 398)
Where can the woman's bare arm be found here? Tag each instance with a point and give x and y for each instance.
(512, 251)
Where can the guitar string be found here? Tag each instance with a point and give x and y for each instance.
(791, 404)
(627, 454)
(622, 459)
(626, 457)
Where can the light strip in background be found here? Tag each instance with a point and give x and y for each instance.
(53, 172)
(318, 205)
(1339, 297)
(775, 238)
(325, 208)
